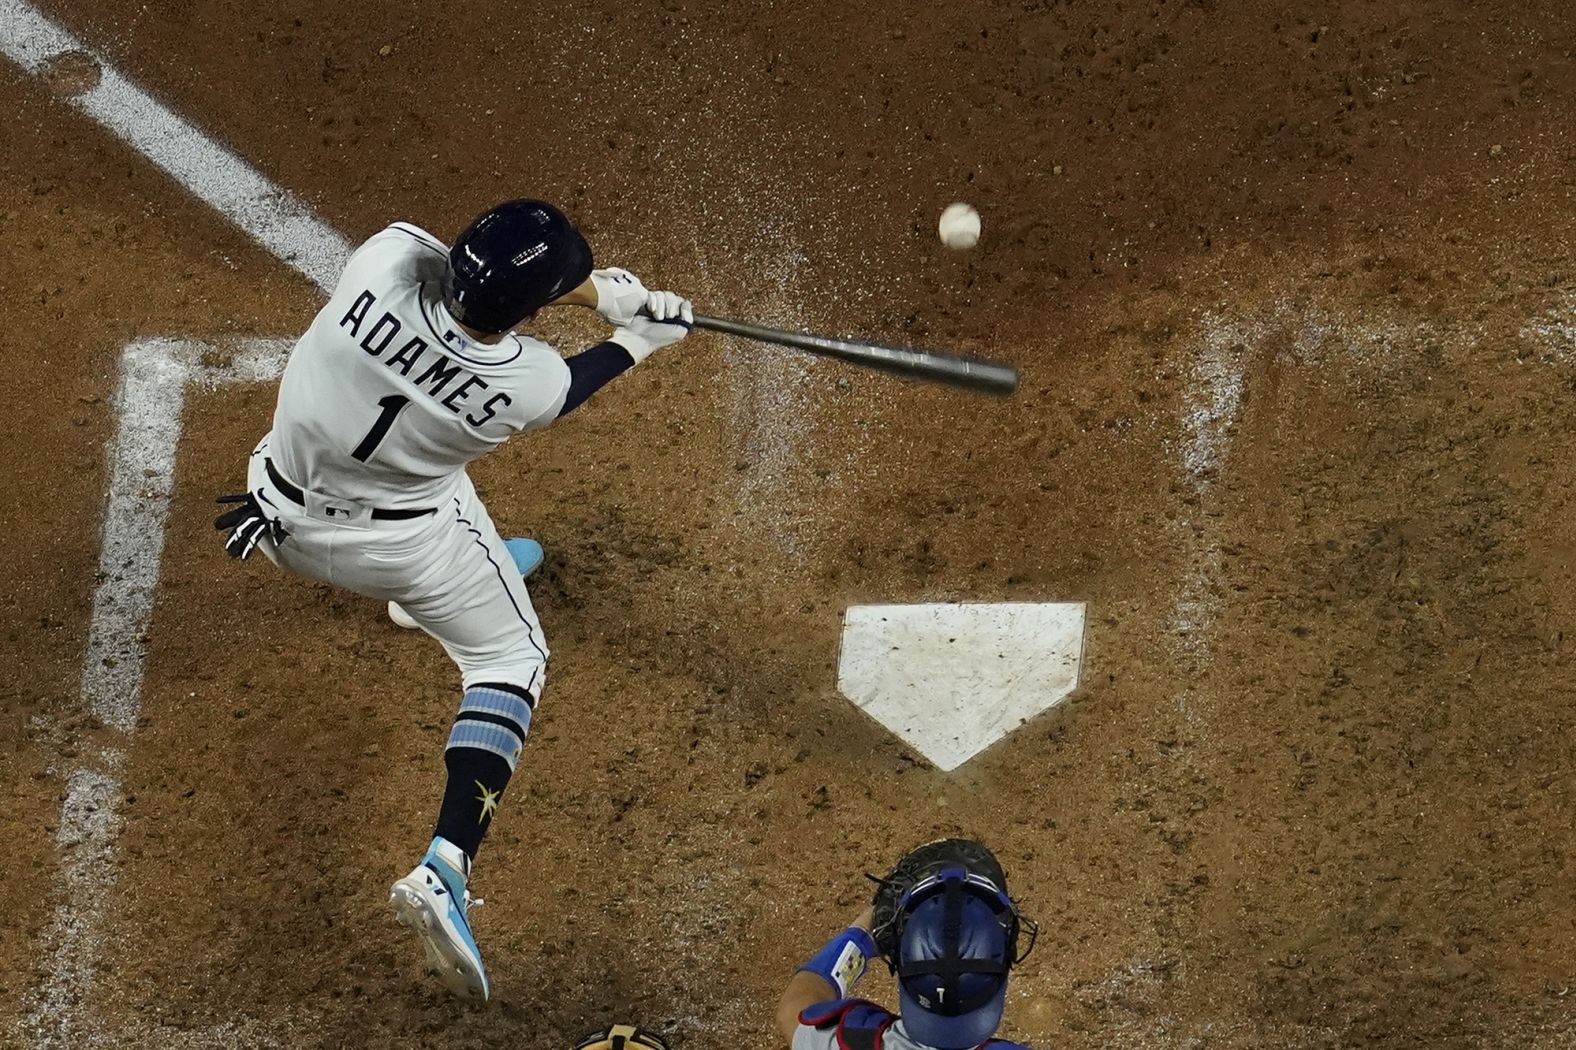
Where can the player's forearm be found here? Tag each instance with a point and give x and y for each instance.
(803, 991)
(593, 369)
(584, 295)
(816, 981)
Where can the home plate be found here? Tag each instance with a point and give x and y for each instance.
(951, 679)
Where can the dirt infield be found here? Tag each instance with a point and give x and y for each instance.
(1293, 299)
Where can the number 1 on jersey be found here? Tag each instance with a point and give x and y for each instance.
(391, 406)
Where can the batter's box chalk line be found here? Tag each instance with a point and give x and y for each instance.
(149, 402)
(275, 218)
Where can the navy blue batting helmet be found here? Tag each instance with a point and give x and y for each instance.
(957, 943)
(514, 259)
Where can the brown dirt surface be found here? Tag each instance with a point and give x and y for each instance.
(80, 213)
(1292, 294)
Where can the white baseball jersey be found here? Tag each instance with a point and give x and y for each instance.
(385, 399)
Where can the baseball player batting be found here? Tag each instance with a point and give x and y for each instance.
(409, 373)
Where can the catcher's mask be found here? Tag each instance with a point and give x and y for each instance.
(622, 1037)
(957, 940)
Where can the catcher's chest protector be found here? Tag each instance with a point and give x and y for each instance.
(862, 1025)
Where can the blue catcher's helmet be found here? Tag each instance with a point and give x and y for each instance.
(514, 259)
(957, 942)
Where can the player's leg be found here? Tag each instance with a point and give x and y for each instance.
(482, 614)
(473, 600)
(527, 555)
(464, 582)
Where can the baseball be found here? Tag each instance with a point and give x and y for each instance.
(959, 226)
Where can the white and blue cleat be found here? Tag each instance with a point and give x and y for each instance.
(433, 901)
(527, 555)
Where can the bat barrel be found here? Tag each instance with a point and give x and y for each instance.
(968, 373)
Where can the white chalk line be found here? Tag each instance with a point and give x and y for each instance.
(275, 218)
(148, 406)
(149, 402)
(53, 1013)
(141, 478)
(147, 411)
(772, 397)
(1212, 408)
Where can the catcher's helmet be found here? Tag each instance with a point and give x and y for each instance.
(959, 938)
(514, 259)
(622, 1037)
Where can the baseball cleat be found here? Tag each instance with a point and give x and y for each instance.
(433, 901)
(527, 555)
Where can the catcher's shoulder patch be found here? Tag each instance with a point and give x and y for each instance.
(622, 1037)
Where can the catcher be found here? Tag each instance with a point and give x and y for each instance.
(622, 1037)
(943, 922)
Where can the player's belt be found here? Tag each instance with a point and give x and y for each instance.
(295, 495)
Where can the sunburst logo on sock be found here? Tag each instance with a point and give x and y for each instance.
(488, 799)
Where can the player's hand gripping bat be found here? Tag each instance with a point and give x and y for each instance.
(931, 366)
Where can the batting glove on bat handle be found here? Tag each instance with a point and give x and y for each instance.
(248, 524)
(666, 318)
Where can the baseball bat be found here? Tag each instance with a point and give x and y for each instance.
(931, 366)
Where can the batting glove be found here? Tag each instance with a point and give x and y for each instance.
(667, 318)
(619, 295)
(248, 525)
